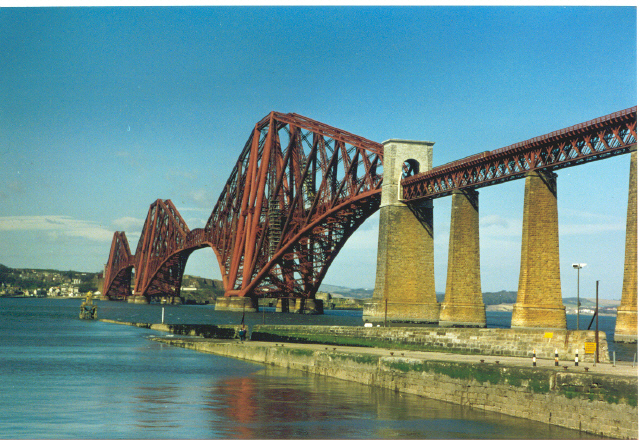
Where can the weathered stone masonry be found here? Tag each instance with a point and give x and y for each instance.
(463, 304)
(539, 302)
(405, 284)
(588, 402)
(480, 341)
(627, 319)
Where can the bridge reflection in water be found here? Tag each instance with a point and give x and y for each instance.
(282, 403)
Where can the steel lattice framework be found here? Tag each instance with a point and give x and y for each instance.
(597, 139)
(118, 270)
(300, 188)
(161, 255)
(297, 192)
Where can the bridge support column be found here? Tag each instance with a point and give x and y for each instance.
(236, 304)
(539, 302)
(137, 299)
(627, 319)
(405, 284)
(282, 305)
(306, 306)
(463, 306)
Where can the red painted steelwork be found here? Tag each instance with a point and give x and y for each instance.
(597, 139)
(298, 191)
(117, 276)
(300, 188)
(161, 254)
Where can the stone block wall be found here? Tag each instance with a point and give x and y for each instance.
(596, 404)
(539, 302)
(462, 303)
(588, 403)
(480, 341)
(405, 284)
(627, 320)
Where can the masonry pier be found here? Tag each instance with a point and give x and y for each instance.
(539, 301)
(463, 306)
(627, 319)
(137, 299)
(237, 304)
(405, 284)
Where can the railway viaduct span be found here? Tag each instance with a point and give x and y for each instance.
(300, 188)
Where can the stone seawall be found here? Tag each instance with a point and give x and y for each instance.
(602, 404)
(481, 341)
(203, 330)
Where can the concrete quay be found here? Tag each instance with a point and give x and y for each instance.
(599, 399)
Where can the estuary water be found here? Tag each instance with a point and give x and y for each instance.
(61, 377)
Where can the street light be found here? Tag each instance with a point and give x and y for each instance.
(578, 266)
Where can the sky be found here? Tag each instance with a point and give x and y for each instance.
(103, 110)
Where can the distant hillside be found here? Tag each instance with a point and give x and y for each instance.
(339, 291)
(489, 298)
(207, 290)
(591, 302)
(502, 297)
(17, 281)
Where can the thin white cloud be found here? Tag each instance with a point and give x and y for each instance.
(202, 197)
(180, 174)
(600, 217)
(498, 226)
(195, 222)
(207, 210)
(57, 225)
(128, 223)
(590, 229)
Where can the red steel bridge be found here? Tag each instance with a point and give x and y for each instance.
(300, 188)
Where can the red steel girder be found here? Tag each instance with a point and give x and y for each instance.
(597, 139)
(160, 256)
(300, 188)
(298, 191)
(117, 276)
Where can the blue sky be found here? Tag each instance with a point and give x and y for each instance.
(104, 110)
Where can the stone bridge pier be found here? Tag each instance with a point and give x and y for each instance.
(405, 284)
(627, 319)
(463, 306)
(405, 288)
(539, 301)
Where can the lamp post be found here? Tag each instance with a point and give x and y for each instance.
(578, 266)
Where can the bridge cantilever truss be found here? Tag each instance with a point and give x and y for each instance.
(298, 190)
(117, 274)
(597, 139)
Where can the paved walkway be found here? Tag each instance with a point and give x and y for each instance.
(625, 369)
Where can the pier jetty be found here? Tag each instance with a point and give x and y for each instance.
(600, 399)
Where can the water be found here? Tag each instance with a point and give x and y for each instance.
(61, 377)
